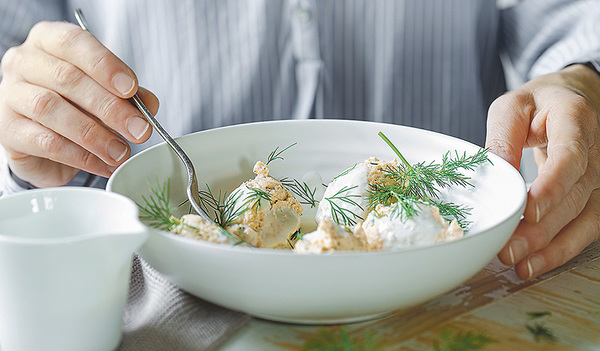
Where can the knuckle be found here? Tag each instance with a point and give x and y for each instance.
(109, 108)
(50, 143)
(520, 97)
(10, 59)
(67, 74)
(538, 237)
(563, 256)
(585, 116)
(69, 38)
(576, 200)
(578, 151)
(497, 107)
(39, 28)
(499, 146)
(87, 160)
(43, 103)
(555, 190)
(594, 227)
(595, 213)
(89, 133)
(519, 100)
(97, 62)
(582, 106)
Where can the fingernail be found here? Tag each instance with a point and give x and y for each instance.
(517, 249)
(116, 150)
(137, 127)
(535, 264)
(111, 169)
(123, 83)
(540, 210)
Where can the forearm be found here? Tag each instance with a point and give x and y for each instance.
(544, 36)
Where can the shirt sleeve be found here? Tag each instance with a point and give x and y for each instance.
(544, 36)
(18, 16)
(7, 184)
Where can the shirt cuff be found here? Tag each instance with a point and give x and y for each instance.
(20, 182)
(594, 64)
(8, 184)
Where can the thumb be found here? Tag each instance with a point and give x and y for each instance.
(508, 122)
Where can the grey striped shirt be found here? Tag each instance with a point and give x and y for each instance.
(432, 64)
(428, 63)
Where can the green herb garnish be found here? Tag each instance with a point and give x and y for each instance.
(338, 339)
(156, 209)
(536, 315)
(341, 215)
(420, 184)
(222, 206)
(276, 154)
(538, 329)
(305, 195)
(541, 332)
(346, 171)
(293, 238)
(461, 341)
(157, 212)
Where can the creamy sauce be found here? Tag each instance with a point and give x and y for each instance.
(269, 221)
(385, 230)
(356, 182)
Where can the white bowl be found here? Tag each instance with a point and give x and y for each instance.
(335, 288)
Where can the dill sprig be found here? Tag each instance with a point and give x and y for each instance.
(346, 171)
(451, 211)
(539, 330)
(226, 209)
(222, 206)
(156, 210)
(339, 339)
(302, 190)
(276, 154)
(419, 184)
(536, 315)
(404, 207)
(252, 201)
(341, 215)
(461, 341)
(408, 206)
(305, 195)
(424, 180)
(294, 238)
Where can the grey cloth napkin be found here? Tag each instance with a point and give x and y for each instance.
(160, 316)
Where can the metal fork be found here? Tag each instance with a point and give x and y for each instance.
(192, 185)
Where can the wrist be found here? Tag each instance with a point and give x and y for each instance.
(593, 65)
(584, 78)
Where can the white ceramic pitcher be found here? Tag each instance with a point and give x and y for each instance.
(65, 264)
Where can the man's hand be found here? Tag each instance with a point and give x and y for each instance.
(63, 107)
(558, 116)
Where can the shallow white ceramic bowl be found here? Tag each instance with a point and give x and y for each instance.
(339, 287)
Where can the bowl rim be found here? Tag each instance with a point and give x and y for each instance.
(243, 249)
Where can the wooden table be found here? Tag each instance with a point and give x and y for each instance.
(557, 311)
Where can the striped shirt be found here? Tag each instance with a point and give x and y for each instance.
(433, 64)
